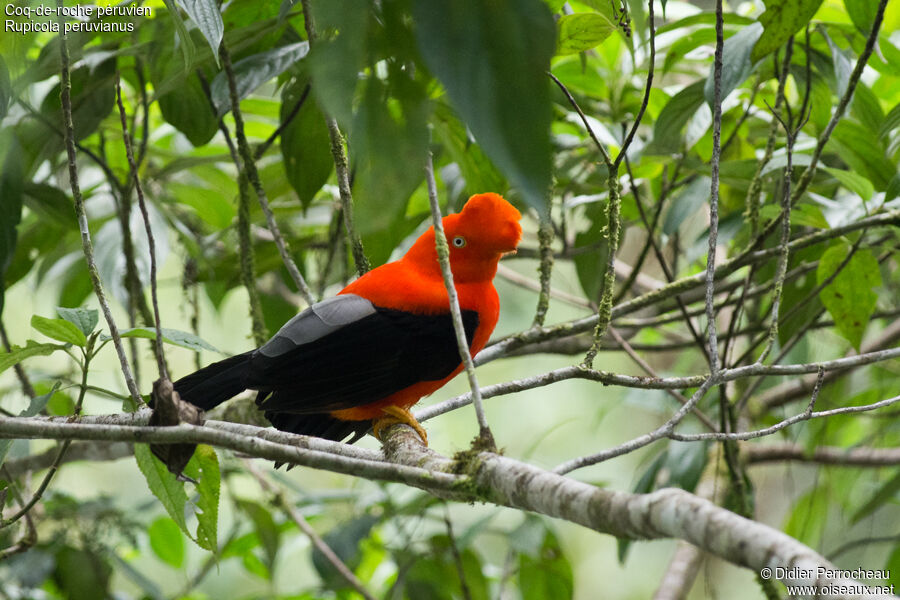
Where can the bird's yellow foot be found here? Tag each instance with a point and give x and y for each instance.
(395, 415)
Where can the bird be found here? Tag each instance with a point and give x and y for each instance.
(360, 360)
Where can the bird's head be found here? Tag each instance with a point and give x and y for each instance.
(486, 229)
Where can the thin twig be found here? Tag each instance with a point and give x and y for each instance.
(647, 87)
(340, 162)
(443, 252)
(652, 372)
(307, 529)
(714, 193)
(86, 245)
(249, 168)
(151, 243)
(659, 433)
(245, 244)
(545, 237)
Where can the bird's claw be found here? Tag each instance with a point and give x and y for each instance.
(395, 415)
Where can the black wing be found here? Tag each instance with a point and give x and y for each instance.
(346, 352)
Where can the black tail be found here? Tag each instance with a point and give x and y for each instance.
(214, 384)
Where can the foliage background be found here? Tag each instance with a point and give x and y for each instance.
(402, 77)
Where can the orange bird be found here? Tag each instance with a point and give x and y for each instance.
(360, 360)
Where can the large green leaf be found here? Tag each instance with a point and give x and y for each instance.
(176, 337)
(885, 493)
(476, 168)
(339, 54)
(204, 469)
(862, 13)
(5, 89)
(205, 13)
(85, 319)
(736, 63)
(492, 57)
(18, 354)
(305, 142)
(51, 202)
(782, 19)
(591, 265)
(549, 575)
(59, 329)
(11, 187)
(854, 182)
(266, 529)
(673, 117)
(93, 97)
(163, 484)
(582, 31)
(166, 541)
(81, 574)
(687, 202)
(253, 71)
(388, 142)
(850, 298)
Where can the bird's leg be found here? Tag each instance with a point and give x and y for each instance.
(395, 415)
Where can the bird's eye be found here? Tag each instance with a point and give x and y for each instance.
(459, 241)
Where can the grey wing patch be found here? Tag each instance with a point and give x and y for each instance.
(316, 322)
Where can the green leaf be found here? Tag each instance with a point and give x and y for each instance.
(18, 353)
(166, 541)
(547, 576)
(266, 529)
(673, 117)
(93, 97)
(59, 329)
(49, 201)
(782, 19)
(591, 266)
(163, 484)
(337, 59)
(862, 13)
(214, 209)
(808, 517)
(81, 574)
(476, 168)
(736, 63)
(205, 13)
(11, 190)
(863, 152)
(6, 92)
(85, 319)
(204, 469)
(582, 31)
(388, 146)
(685, 464)
(253, 71)
(175, 337)
(305, 142)
(850, 298)
(854, 182)
(884, 494)
(187, 44)
(842, 65)
(686, 203)
(893, 565)
(492, 58)
(344, 540)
